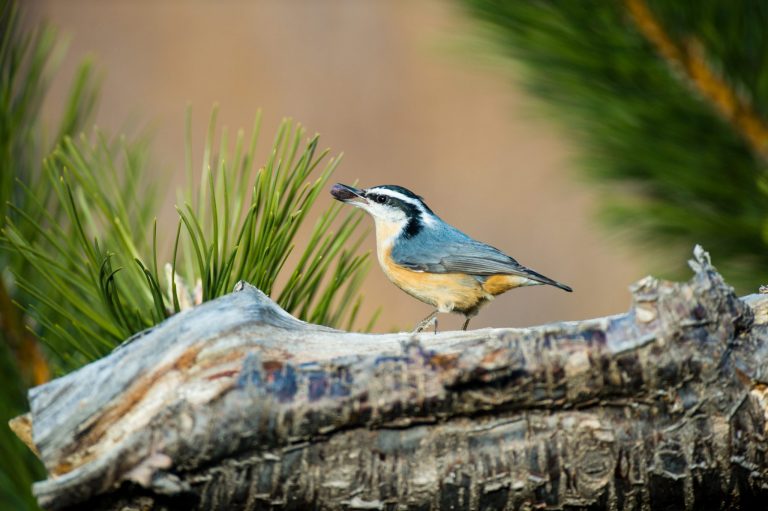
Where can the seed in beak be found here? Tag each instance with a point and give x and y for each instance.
(343, 192)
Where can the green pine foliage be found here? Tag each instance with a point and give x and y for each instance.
(669, 101)
(102, 261)
(90, 207)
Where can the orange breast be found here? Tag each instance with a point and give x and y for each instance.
(446, 291)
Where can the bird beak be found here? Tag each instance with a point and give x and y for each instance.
(348, 194)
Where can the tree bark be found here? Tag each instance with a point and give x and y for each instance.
(237, 405)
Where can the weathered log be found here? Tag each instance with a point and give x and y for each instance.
(237, 405)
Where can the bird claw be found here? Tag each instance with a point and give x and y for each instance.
(425, 323)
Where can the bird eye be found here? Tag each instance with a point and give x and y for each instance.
(381, 199)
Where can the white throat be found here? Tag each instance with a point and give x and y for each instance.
(387, 231)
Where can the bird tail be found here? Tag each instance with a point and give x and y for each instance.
(538, 277)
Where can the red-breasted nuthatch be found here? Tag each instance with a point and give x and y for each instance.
(432, 261)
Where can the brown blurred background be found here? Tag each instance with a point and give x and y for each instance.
(396, 87)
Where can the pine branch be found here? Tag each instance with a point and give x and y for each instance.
(668, 103)
(102, 267)
(691, 59)
(31, 363)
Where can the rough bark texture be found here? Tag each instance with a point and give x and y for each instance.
(237, 405)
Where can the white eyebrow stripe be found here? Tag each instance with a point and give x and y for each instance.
(396, 195)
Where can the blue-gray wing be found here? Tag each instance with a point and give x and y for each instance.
(455, 252)
(449, 250)
(474, 259)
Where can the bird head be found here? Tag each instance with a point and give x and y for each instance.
(392, 205)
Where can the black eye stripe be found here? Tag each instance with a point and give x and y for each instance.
(378, 198)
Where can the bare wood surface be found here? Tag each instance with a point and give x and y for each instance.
(237, 405)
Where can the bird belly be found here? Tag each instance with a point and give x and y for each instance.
(446, 291)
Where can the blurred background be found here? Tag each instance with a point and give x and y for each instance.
(398, 88)
(594, 141)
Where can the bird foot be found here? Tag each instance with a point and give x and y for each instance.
(425, 323)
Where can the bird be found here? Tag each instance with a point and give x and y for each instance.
(433, 261)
